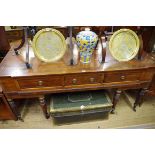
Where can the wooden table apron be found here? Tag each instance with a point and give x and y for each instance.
(44, 78)
(17, 87)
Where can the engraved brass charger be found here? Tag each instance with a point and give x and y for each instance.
(124, 45)
(49, 45)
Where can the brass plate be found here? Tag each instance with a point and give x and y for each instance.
(49, 45)
(124, 45)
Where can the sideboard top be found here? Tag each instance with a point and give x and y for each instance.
(14, 66)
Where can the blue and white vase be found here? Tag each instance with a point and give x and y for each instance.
(86, 42)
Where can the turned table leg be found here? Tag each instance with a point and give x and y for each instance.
(43, 106)
(14, 109)
(115, 99)
(140, 97)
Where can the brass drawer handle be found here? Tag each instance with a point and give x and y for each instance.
(92, 80)
(40, 83)
(74, 81)
(122, 77)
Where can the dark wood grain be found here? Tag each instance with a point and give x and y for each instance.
(82, 79)
(4, 43)
(39, 82)
(5, 109)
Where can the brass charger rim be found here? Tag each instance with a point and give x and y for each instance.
(134, 52)
(39, 56)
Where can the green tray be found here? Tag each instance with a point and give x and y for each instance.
(77, 103)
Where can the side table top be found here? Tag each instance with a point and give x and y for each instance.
(14, 66)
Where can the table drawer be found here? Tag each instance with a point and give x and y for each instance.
(54, 81)
(123, 76)
(83, 79)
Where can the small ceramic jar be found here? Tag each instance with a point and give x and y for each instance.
(86, 42)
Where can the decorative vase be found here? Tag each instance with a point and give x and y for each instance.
(86, 42)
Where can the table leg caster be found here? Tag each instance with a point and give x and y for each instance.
(15, 110)
(134, 109)
(21, 119)
(112, 111)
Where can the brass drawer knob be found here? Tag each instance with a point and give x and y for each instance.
(74, 81)
(92, 80)
(40, 83)
(122, 77)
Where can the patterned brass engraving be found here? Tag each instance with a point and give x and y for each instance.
(49, 45)
(124, 45)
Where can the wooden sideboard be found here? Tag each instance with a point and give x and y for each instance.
(45, 78)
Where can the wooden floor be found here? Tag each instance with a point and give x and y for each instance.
(124, 117)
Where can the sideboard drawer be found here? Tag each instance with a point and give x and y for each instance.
(83, 79)
(54, 81)
(119, 77)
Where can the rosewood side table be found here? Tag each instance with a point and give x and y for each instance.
(44, 78)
